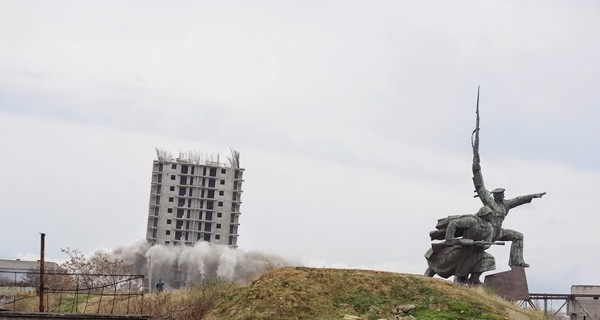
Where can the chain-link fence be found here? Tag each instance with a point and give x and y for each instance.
(72, 292)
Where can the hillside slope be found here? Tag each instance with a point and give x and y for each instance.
(329, 294)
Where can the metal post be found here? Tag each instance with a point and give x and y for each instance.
(15, 297)
(149, 274)
(42, 268)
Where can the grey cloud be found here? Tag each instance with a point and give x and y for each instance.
(351, 111)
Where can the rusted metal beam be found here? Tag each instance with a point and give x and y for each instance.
(42, 269)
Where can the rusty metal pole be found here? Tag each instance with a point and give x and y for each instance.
(42, 268)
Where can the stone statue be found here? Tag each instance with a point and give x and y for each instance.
(500, 206)
(463, 251)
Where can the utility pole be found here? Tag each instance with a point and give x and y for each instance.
(150, 274)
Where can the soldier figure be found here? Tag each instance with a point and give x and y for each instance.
(460, 257)
(462, 254)
(495, 200)
(500, 206)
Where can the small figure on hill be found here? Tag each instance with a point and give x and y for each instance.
(160, 285)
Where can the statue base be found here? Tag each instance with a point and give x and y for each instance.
(510, 285)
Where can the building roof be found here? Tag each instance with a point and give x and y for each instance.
(9, 265)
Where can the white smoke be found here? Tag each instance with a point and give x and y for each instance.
(180, 266)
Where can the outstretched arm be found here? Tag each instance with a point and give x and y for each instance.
(476, 166)
(484, 195)
(477, 176)
(515, 202)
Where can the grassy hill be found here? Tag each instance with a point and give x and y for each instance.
(329, 294)
(305, 293)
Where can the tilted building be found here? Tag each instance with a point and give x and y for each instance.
(193, 198)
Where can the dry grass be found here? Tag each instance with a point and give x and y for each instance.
(184, 304)
(308, 293)
(189, 303)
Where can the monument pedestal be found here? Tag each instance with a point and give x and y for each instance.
(510, 285)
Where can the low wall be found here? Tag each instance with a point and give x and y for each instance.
(8, 315)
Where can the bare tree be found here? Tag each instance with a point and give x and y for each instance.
(100, 270)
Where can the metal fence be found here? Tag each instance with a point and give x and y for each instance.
(72, 292)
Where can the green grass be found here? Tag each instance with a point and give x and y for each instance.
(431, 303)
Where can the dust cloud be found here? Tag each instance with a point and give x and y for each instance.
(179, 266)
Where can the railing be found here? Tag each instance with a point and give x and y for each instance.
(72, 292)
(565, 297)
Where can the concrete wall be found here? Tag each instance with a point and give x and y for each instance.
(584, 308)
(5, 315)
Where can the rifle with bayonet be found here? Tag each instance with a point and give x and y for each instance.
(462, 242)
(477, 177)
(475, 134)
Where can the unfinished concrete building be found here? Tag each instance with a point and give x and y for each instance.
(584, 302)
(194, 198)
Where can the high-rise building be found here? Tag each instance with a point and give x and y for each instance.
(193, 198)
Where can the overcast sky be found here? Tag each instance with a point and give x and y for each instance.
(353, 119)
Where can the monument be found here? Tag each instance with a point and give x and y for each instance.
(462, 253)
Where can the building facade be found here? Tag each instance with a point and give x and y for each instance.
(20, 279)
(584, 303)
(194, 200)
(16, 272)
